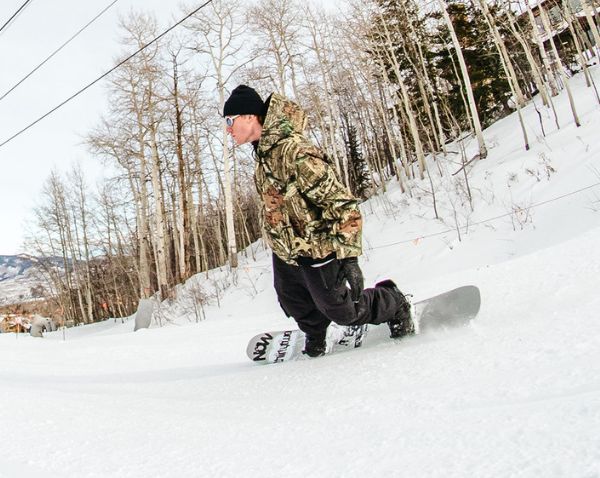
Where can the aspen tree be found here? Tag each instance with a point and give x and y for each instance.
(508, 68)
(317, 27)
(576, 31)
(275, 25)
(542, 50)
(371, 81)
(80, 200)
(558, 61)
(220, 32)
(466, 80)
(504, 56)
(568, 17)
(197, 214)
(535, 71)
(589, 16)
(408, 110)
(182, 244)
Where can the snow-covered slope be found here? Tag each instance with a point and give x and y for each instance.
(515, 394)
(19, 281)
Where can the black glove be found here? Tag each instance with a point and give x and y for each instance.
(350, 271)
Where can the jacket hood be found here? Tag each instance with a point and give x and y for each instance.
(284, 118)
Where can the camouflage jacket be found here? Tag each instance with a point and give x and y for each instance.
(306, 210)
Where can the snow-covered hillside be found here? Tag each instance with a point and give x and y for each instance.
(19, 280)
(515, 394)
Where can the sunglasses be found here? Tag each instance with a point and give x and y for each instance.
(229, 120)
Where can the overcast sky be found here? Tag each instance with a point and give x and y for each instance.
(55, 142)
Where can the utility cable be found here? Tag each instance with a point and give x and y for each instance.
(57, 50)
(490, 219)
(14, 15)
(101, 77)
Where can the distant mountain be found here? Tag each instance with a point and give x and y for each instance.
(19, 279)
(12, 266)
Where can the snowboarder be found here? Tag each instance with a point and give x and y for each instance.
(311, 222)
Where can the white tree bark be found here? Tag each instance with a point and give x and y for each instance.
(221, 39)
(589, 16)
(467, 82)
(542, 50)
(560, 66)
(410, 116)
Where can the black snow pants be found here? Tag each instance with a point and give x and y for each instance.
(315, 297)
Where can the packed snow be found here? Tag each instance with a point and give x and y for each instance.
(514, 394)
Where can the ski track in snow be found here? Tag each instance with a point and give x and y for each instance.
(514, 394)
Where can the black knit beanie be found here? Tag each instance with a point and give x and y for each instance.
(244, 101)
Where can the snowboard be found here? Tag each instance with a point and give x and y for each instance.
(454, 308)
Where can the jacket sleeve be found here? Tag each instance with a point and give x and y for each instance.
(318, 182)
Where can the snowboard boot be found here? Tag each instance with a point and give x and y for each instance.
(315, 346)
(402, 323)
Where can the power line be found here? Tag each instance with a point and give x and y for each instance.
(101, 77)
(490, 219)
(57, 50)
(14, 15)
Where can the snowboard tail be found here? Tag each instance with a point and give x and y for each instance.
(453, 308)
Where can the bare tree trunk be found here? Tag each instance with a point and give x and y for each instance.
(198, 175)
(508, 68)
(587, 9)
(387, 124)
(143, 227)
(439, 130)
(73, 252)
(221, 254)
(535, 71)
(405, 97)
(220, 34)
(542, 50)
(467, 82)
(506, 61)
(160, 240)
(228, 196)
(59, 218)
(560, 68)
(317, 43)
(575, 29)
(80, 189)
(184, 211)
(575, 37)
